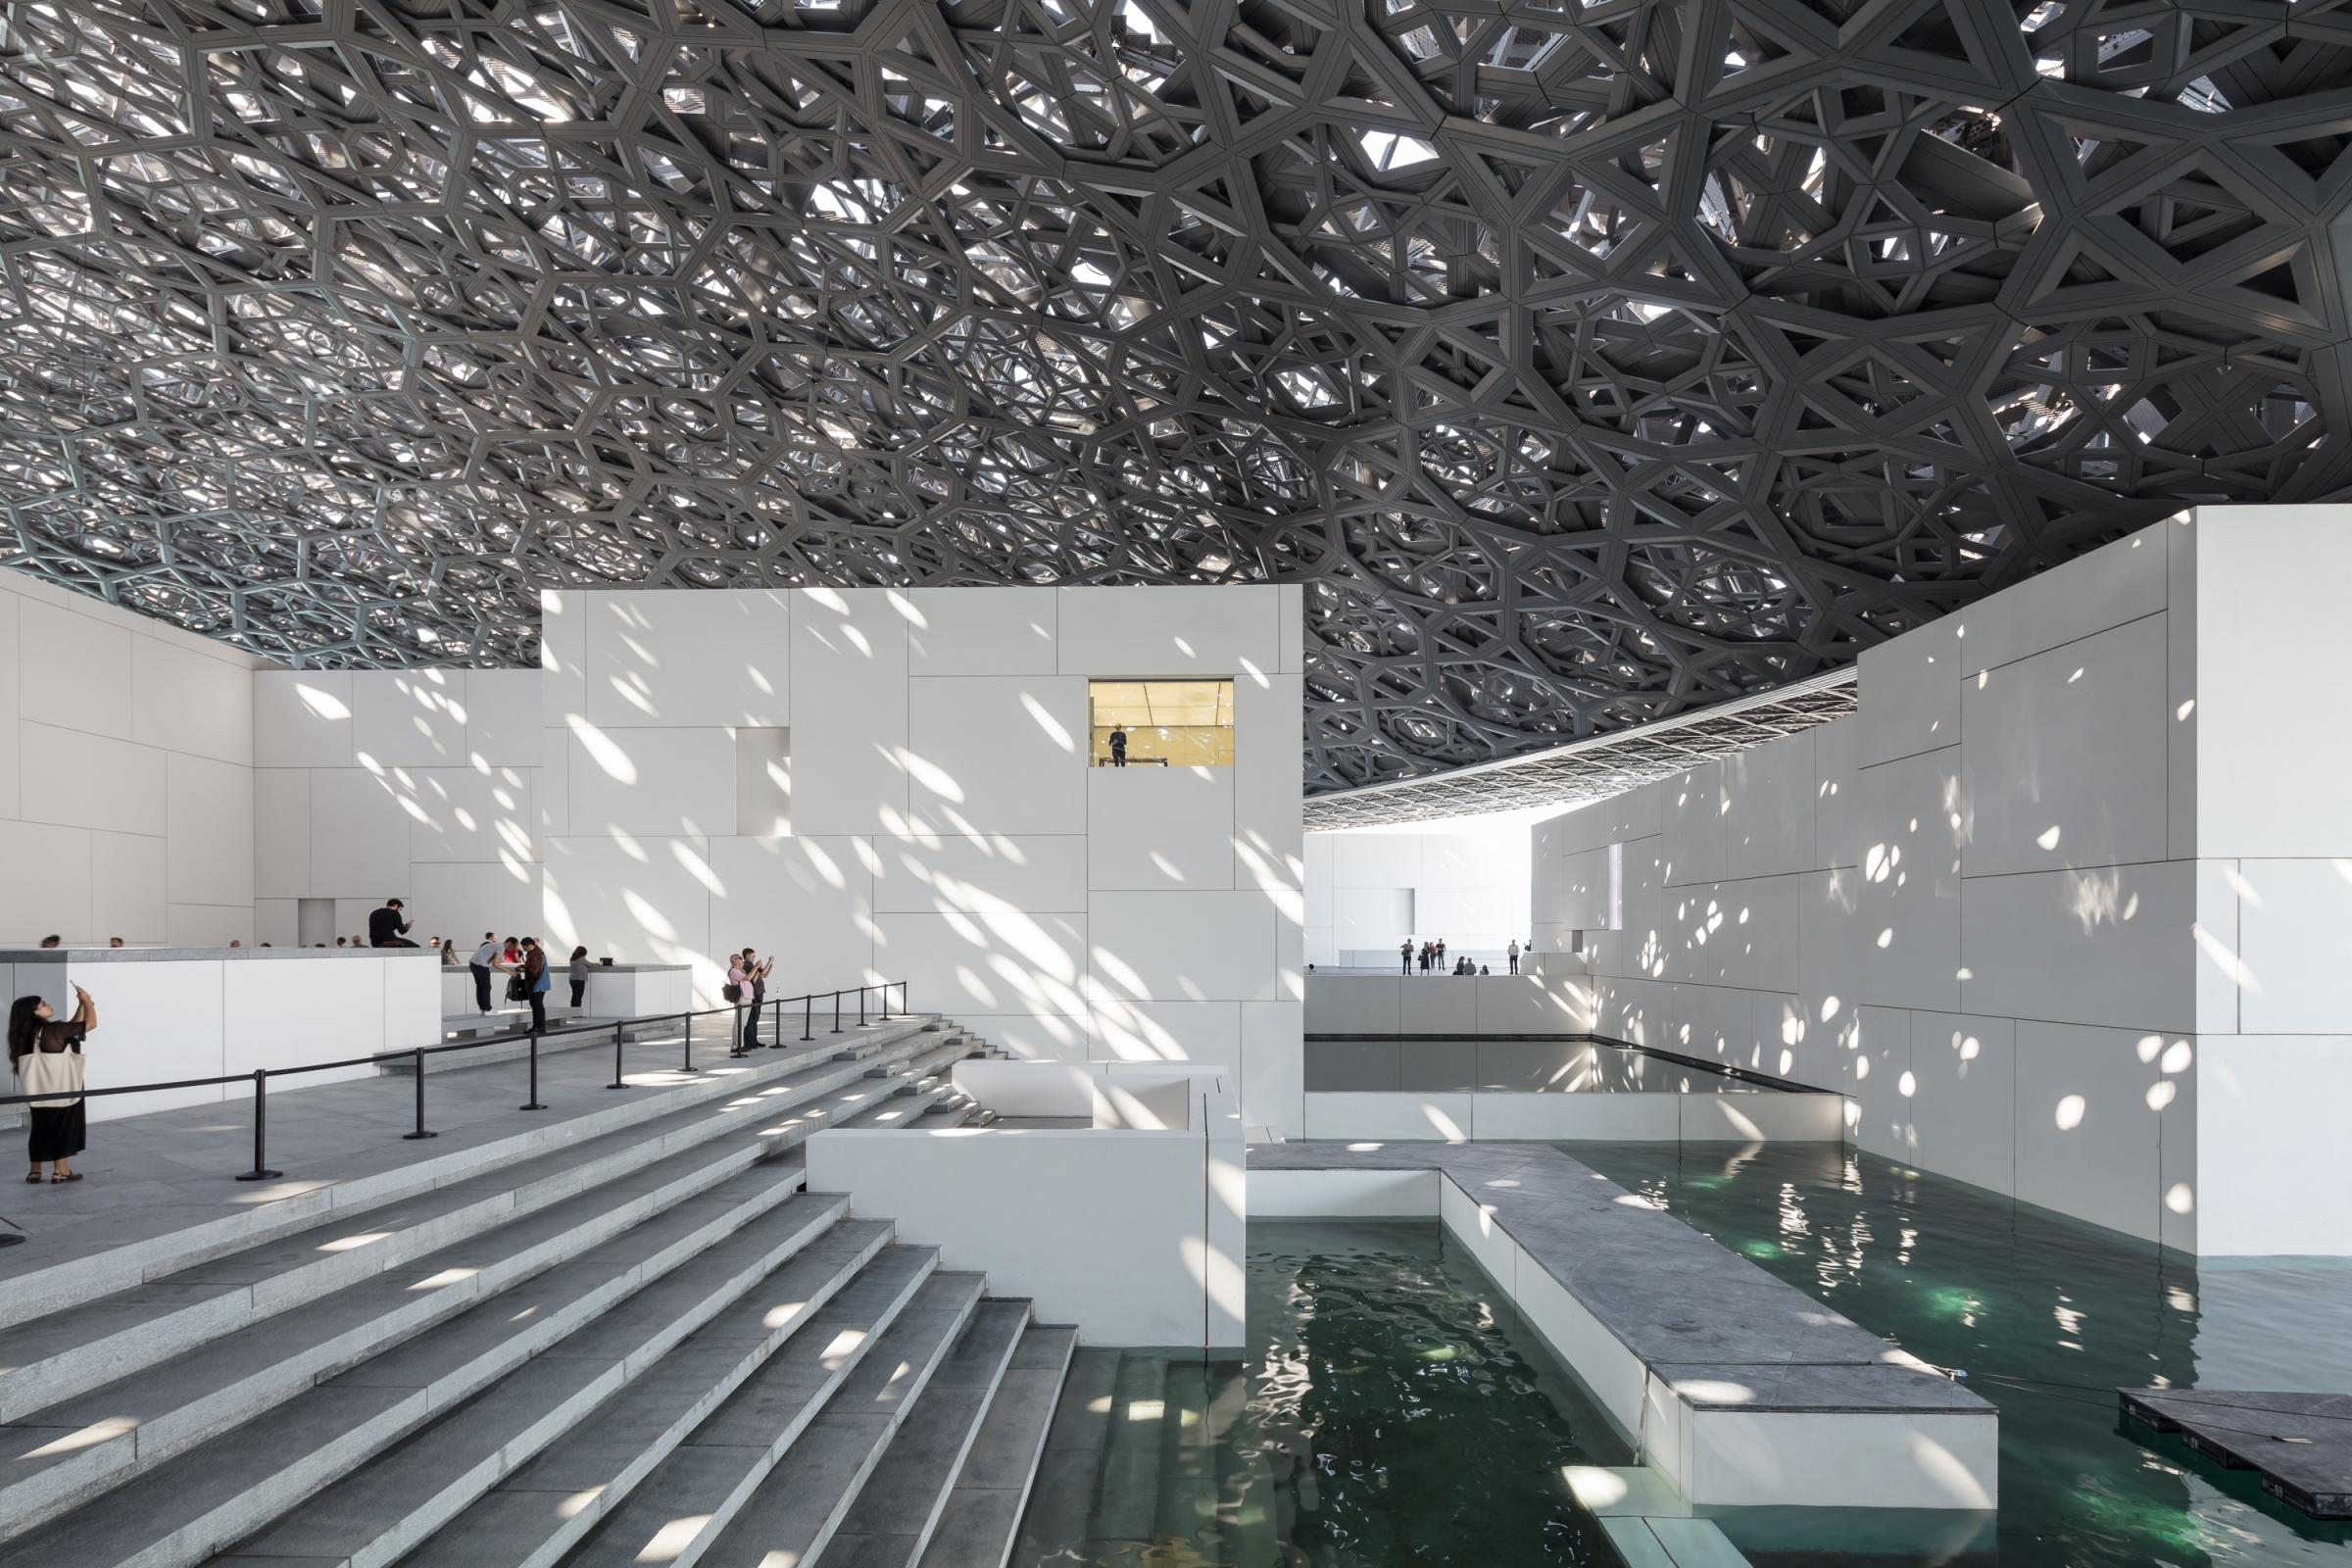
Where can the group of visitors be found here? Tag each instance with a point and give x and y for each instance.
(1431, 957)
(523, 961)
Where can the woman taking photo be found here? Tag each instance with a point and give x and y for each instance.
(47, 1057)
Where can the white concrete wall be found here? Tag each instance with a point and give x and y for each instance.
(1139, 1237)
(411, 784)
(1469, 887)
(125, 777)
(2061, 907)
(878, 784)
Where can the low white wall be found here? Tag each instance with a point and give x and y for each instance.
(1137, 1237)
(197, 1014)
(1423, 1006)
(1111, 1095)
(1648, 1117)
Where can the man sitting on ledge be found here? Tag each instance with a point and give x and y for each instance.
(385, 927)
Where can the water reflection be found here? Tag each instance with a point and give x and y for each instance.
(1391, 1411)
(2048, 1317)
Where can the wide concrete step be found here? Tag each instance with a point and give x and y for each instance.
(354, 1202)
(892, 1518)
(635, 1295)
(908, 1096)
(785, 1455)
(66, 1352)
(982, 1515)
(525, 1467)
(60, 1455)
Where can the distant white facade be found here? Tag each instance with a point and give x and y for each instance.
(1367, 889)
(125, 775)
(2063, 908)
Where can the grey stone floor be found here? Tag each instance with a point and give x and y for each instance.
(1701, 1318)
(146, 1176)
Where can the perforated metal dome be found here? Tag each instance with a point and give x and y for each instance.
(1590, 362)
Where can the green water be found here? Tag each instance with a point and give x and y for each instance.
(2048, 1317)
(1391, 1411)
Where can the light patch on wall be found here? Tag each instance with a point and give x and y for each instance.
(2069, 1113)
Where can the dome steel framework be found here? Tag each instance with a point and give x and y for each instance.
(1589, 361)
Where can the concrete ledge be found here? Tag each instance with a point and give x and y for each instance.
(1738, 1390)
(1642, 1116)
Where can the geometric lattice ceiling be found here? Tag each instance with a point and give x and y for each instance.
(1590, 361)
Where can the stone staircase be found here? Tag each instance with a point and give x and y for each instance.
(641, 1342)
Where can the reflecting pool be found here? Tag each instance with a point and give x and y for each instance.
(2047, 1318)
(1391, 1411)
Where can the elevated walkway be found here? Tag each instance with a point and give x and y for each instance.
(617, 1330)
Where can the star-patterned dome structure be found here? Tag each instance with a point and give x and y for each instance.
(1590, 361)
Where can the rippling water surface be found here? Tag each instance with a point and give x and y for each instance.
(1391, 1411)
(2048, 1318)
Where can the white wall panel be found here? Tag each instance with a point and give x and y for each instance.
(1159, 828)
(988, 963)
(1964, 1098)
(465, 814)
(1735, 933)
(2071, 601)
(562, 656)
(999, 754)
(503, 725)
(674, 781)
(1910, 694)
(211, 826)
(1272, 1074)
(2270, 1120)
(1906, 896)
(301, 718)
(49, 872)
(2295, 942)
(1001, 872)
(359, 836)
(281, 832)
(1207, 1033)
(1267, 782)
(667, 656)
(1170, 631)
(2106, 946)
(1877, 1053)
(409, 717)
(1769, 808)
(1586, 890)
(2065, 762)
(551, 794)
(809, 900)
(1204, 945)
(277, 922)
(1691, 803)
(1427, 1007)
(637, 900)
(983, 631)
(1375, 859)
(209, 925)
(126, 888)
(74, 669)
(459, 902)
(81, 780)
(1836, 753)
(10, 621)
(186, 699)
(2086, 1135)
(1290, 610)
(849, 704)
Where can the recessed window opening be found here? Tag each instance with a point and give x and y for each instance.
(1161, 723)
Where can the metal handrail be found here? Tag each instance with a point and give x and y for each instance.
(259, 1076)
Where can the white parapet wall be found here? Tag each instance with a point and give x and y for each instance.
(1555, 1001)
(1133, 1228)
(2061, 910)
(169, 1014)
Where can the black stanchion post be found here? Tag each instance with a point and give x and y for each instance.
(886, 1002)
(775, 1026)
(418, 1066)
(531, 1101)
(808, 1012)
(261, 1171)
(616, 1081)
(837, 1012)
(861, 1006)
(686, 1024)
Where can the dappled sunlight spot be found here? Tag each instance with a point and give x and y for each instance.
(2069, 1113)
(1166, 868)
(89, 1437)
(654, 922)
(2047, 838)
(1055, 731)
(670, 1542)
(320, 701)
(444, 1279)
(2233, 968)
(1445, 1125)
(2180, 1197)
(697, 867)
(605, 751)
(2160, 1094)
(1714, 1390)
(930, 775)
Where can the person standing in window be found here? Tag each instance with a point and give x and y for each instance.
(47, 1057)
(579, 977)
(535, 982)
(1118, 745)
(386, 928)
(484, 960)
